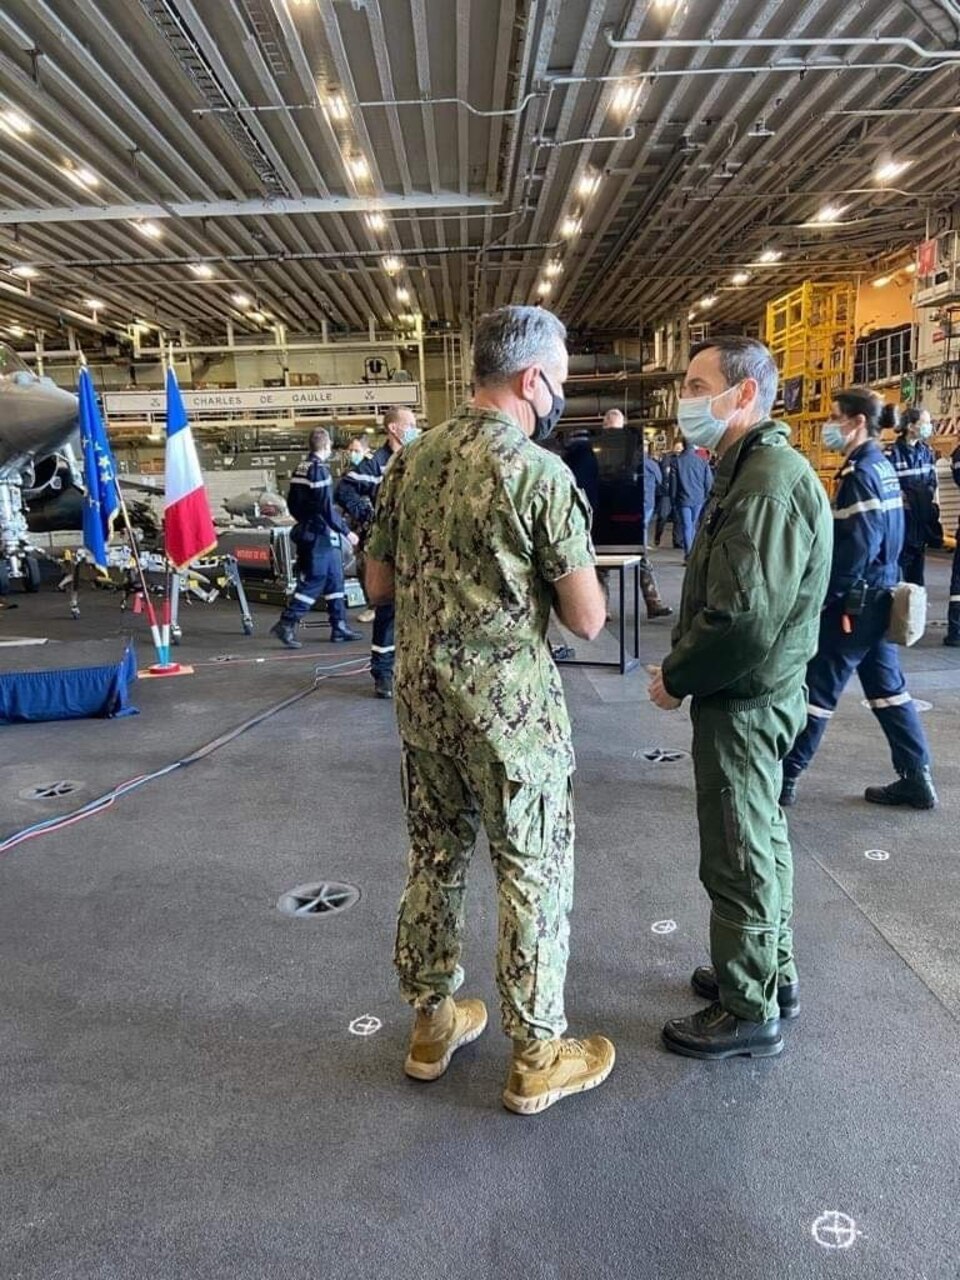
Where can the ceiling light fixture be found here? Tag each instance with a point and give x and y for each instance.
(152, 230)
(910, 268)
(553, 268)
(769, 256)
(880, 281)
(12, 121)
(706, 303)
(17, 330)
(241, 300)
(760, 130)
(81, 175)
(887, 170)
(257, 316)
(571, 226)
(25, 272)
(403, 295)
(94, 304)
(740, 277)
(589, 184)
(391, 265)
(336, 105)
(202, 270)
(626, 98)
(358, 167)
(544, 288)
(830, 213)
(376, 222)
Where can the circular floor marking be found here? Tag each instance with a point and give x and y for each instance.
(319, 900)
(367, 1025)
(877, 855)
(663, 926)
(834, 1230)
(51, 790)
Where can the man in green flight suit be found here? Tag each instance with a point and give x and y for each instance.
(749, 621)
(477, 534)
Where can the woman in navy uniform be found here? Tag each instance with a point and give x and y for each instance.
(916, 466)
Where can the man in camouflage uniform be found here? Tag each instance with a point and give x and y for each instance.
(477, 534)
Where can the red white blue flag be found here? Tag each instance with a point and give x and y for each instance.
(187, 524)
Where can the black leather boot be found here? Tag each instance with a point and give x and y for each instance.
(714, 1033)
(341, 633)
(951, 641)
(704, 983)
(788, 793)
(913, 789)
(285, 633)
(383, 687)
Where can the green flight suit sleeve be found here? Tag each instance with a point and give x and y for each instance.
(757, 563)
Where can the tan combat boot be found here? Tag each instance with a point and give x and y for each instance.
(438, 1033)
(544, 1071)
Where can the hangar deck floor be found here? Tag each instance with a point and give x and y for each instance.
(181, 1095)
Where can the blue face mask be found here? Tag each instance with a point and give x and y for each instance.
(833, 437)
(925, 430)
(697, 421)
(355, 456)
(409, 435)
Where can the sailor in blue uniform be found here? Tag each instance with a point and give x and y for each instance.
(916, 466)
(868, 537)
(316, 537)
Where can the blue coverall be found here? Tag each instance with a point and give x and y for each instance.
(316, 537)
(868, 538)
(652, 486)
(690, 483)
(357, 490)
(953, 611)
(916, 468)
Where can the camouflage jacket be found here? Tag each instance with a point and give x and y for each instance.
(477, 523)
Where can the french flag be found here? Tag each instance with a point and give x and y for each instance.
(187, 524)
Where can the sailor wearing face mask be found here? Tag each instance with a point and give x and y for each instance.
(868, 534)
(316, 537)
(748, 626)
(916, 466)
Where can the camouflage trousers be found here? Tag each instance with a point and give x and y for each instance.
(530, 832)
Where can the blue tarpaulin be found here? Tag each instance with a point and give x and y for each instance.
(94, 680)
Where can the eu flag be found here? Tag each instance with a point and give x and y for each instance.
(102, 501)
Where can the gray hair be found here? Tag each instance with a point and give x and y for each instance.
(319, 440)
(742, 358)
(395, 413)
(512, 339)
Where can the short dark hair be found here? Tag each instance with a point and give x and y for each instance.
(742, 358)
(854, 401)
(909, 418)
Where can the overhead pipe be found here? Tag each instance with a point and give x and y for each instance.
(628, 135)
(787, 42)
(784, 68)
(287, 256)
(603, 364)
(381, 102)
(270, 207)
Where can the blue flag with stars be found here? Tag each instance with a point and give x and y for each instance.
(102, 501)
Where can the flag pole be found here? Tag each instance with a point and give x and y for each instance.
(135, 551)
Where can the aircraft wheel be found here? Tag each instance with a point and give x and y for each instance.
(31, 574)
